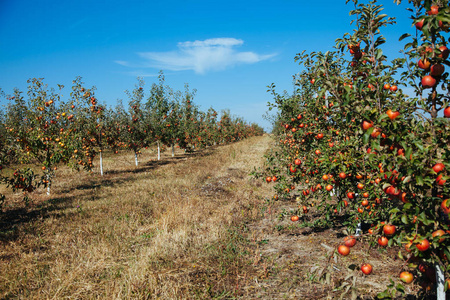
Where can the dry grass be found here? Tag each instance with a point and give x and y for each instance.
(173, 229)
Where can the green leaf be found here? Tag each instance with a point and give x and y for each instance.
(379, 54)
(404, 219)
(405, 35)
(400, 288)
(408, 152)
(419, 180)
(407, 179)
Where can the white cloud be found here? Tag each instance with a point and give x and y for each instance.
(122, 62)
(201, 56)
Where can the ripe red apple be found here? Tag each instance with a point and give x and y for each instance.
(268, 179)
(404, 198)
(343, 250)
(445, 206)
(440, 181)
(366, 125)
(437, 69)
(419, 24)
(294, 218)
(329, 187)
(389, 229)
(351, 195)
(438, 233)
(443, 26)
(406, 277)
(408, 247)
(393, 88)
(423, 245)
(298, 162)
(447, 112)
(383, 241)
(428, 82)
(349, 241)
(392, 114)
(438, 167)
(366, 268)
(434, 10)
(444, 52)
(424, 64)
(376, 132)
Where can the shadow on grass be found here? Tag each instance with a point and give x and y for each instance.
(153, 164)
(13, 219)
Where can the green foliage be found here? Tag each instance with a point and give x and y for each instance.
(361, 139)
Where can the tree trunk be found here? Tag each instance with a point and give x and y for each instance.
(101, 164)
(159, 150)
(136, 158)
(173, 149)
(48, 183)
(440, 282)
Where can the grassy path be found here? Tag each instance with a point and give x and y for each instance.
(173, 229)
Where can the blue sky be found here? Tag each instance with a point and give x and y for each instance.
(228, 50)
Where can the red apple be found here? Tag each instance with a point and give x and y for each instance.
(428, 82)
(424, 64)
(406, 277)
(437, 70)
(389, 229)
(343, 250)
(349, 241)
(440, 181)
(383, 241)
(419, 24)
(434, 10)
(444, 52)
(392, 114)
(366, 125)
(423, 245)
(438, 167)
(366, 269)
(447, 112)
(445, 206)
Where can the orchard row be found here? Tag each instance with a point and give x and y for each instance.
(366, 140)
(45, 130)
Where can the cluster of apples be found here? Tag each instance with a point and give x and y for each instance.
(433, 65)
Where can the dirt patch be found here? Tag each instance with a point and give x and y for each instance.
(297, 262)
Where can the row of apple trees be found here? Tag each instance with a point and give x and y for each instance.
(41, 128)
(366, 140)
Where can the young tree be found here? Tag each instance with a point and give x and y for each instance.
(158, 108)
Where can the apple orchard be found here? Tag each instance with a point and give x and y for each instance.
(357, 150)
(43, 130)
